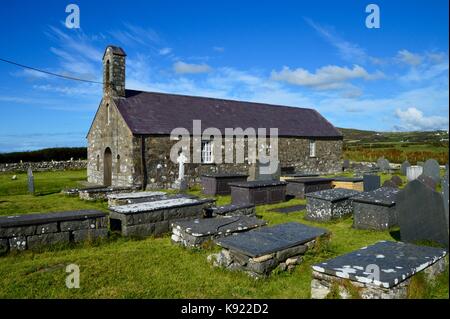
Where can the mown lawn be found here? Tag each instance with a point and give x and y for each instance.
(154, 267)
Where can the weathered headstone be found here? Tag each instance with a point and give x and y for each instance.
(371, 182)
(422, 215)
(427, 180)
(397, 180)
(260, 171)
(383, 164)
(413, 172)
(181, 183)
(345, 165)
(390, 183)
(444, 186)
(30, 181)
(403, 167)
(431, 168)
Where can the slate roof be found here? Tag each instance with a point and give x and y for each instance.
(150, 113)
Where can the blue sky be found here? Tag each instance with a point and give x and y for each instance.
(315, 54)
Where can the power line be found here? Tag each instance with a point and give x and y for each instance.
(49, 73)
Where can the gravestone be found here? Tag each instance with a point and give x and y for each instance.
(403, 167)
(389, 183)
(260, 171)
(345, 165)
(30, 181)
(427, 180)
(371, 182)
(383, 164)
(444, 187)
(413, 172)
(422, 215)
(289, 209)
(397, 180)
(382, 270)
(431, 168)
(181, 183)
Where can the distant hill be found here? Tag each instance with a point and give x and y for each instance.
(423, 137)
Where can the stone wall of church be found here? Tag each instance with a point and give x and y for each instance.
(115, 134)
(293, 152)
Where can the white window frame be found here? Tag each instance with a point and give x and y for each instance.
(207, 152)
(312, 148)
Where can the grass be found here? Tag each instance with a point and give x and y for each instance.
(154, 267)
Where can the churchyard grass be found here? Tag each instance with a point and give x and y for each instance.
(154, 267)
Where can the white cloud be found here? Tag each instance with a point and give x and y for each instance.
(165, 51)
(414, 119)
(132, 35)
(184, 68)
(218, 49)
(409, 58)
(324, 78)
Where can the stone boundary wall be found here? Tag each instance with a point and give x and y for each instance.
(43, 166)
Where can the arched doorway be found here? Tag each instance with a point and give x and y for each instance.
(107, 167)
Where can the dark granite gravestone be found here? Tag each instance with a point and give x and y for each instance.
(389, 183)
(421, 214)
(289, 209)
(30, 181)
(375, 209)
(428, 181)
(395, 261)
(371, 182)
(403, 167)
(258, 192)
(397, 180)
(345, 165)
(431, 168)
(444, 187)
(383, 164)
(267, 240)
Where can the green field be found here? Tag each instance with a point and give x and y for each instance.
(368, 146)
(154, 267)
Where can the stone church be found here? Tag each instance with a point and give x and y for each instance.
(129, 139)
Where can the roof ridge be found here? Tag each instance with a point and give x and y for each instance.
(221, 99)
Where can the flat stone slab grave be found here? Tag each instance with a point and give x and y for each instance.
(298, 187)
(141, 197)
(94, 193)
(285, 177)
(261, 250)
(21, 232)
(194, 233)
(329, 204)
(258, 192)
(218, 184)
(375, 209)
(382, 270)
(231, 210)
(289, 209)
(354, 183)
(153, 218)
